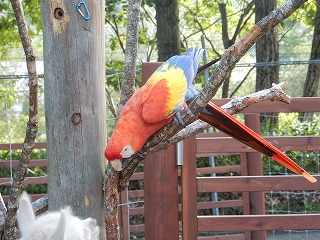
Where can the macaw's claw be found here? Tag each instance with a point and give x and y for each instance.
(178, 118)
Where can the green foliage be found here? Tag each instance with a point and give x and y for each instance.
(114, 74)
(9, 36)
(291, 125)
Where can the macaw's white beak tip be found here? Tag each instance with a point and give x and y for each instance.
(117, 165)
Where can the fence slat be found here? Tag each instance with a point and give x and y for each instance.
(209, 146)
(220, 204)
(32, 163)
(17, 146)
(224, 237)
(256, 183)
(218, 169)
(29, 180)
(258, 222)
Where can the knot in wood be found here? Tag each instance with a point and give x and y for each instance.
(58, 13)
(76, 118)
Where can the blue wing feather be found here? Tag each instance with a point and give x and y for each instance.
(188, 62)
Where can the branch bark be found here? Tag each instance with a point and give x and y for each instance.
(230, 57)
(130, 58)
(111, 178)
(32, 125)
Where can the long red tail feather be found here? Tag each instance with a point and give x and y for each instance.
(228, 124)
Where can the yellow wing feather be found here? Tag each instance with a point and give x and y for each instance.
(167, 89)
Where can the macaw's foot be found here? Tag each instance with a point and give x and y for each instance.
(142, 154)
(178, 118)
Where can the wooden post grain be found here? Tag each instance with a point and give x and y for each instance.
(189, 190)
(74, 83)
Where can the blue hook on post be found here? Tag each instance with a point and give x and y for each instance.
(86, 16)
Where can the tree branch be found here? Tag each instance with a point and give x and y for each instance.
(240, 84)
(130, 57)
(110, 103)
(111, 178)
(116, 30)
(224, 24)
(241, 21)
(32, 125)
(230, 57)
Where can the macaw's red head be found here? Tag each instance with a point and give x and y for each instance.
(119, 148)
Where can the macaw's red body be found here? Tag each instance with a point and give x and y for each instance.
(154, 105)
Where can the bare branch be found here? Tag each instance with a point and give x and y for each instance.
(110, 103)
(130, 57)
(3, 213)
(32, 125)
(3, 209)
(240, 84)
(230, 57)
(242, 22)
(111, 178)
(116, 30)
(111, 196)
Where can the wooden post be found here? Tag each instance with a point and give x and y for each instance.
(161, 195)
(245, 195)
(160, 187)
(189, 190)
(257, 204)
(74, 69)
(124, 216)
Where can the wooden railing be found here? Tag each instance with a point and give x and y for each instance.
(250, 226)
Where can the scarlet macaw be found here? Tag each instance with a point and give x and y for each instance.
(155, 104)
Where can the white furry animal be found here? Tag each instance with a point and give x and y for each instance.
(60, 225)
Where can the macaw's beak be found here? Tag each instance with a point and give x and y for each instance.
(118, 163)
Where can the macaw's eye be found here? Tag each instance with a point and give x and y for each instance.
(127, 151)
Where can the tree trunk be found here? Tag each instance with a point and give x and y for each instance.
(168, 35)
(227, 41)
(75, 106)
(267, 50)
(311, 85)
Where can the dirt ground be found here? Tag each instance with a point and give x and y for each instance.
(294, 235)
